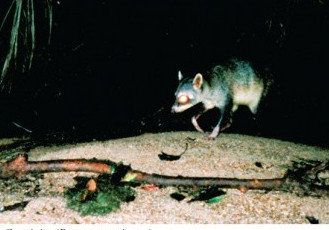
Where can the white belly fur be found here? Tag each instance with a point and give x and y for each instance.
(247, 96)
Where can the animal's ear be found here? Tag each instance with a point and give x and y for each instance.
(180, 75)
(197, 81)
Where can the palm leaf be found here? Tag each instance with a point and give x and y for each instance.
(22, 38)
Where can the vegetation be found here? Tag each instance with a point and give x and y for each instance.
(107, 197)
(22, 34)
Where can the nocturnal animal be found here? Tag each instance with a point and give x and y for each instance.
(225, 87)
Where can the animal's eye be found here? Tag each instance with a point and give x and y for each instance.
(183, 99)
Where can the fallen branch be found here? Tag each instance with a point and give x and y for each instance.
(300, 177)
(20, 166)
(241, 184)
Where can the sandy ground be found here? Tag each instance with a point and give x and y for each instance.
(230, 155)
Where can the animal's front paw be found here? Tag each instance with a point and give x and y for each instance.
(199, 130)
(196, 125)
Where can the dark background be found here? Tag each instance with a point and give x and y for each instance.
(111, 67)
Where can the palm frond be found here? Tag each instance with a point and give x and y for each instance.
(6, 16)
(49, 14)
(13, 44)
(31, 23)
(22, 35)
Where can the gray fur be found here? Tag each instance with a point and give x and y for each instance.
(225, 86)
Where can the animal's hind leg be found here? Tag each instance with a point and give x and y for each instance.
(253, 105)
(228, 123)
(234, 107)
(229, 118)
(254, 108)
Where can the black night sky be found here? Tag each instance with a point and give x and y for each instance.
(111, 68)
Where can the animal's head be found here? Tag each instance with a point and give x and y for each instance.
(188, 92)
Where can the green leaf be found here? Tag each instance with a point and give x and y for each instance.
(216, 199)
